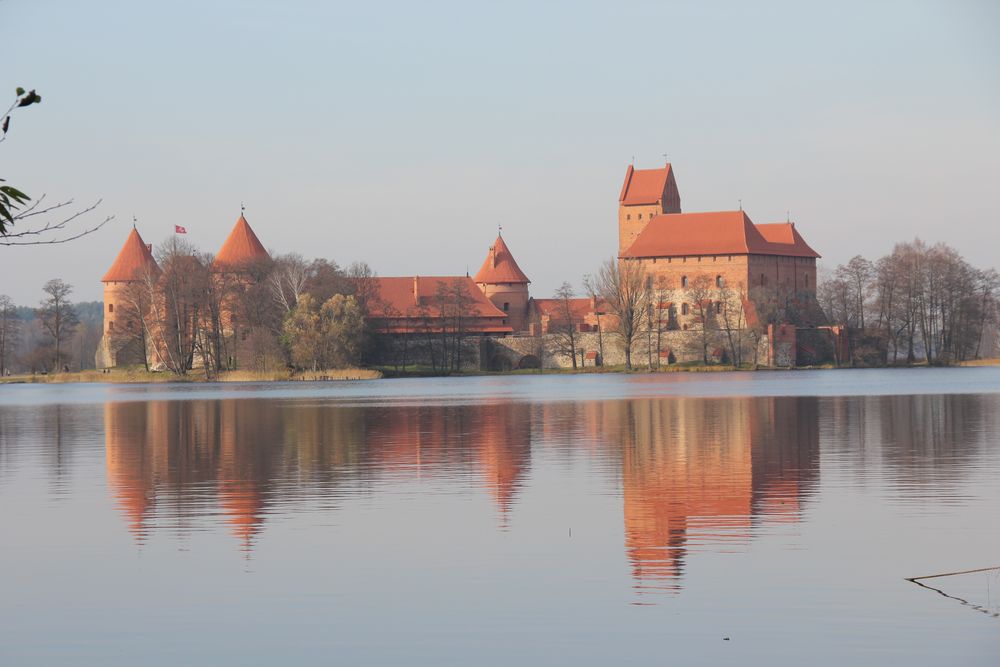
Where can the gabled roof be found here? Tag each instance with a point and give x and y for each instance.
(240, 248)
(500, 266)
(133, 260)
(718, 233)
(785, 234)
(416, 297)
(645, 186)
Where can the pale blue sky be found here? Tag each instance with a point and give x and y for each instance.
(402, 134)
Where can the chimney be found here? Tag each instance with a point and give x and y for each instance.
(416, 290)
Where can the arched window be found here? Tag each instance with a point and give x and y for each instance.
(719, 282)
(684, 309)
(684, 281)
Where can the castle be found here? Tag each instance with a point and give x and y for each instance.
(713, 270)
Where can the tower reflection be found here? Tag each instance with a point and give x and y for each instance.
(694, 474)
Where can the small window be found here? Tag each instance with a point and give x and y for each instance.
(718, 307)
(640, 216)
(684, 281)
(684, 309)
(649, 282)
(628, 216)
(807, 280)
(506, 307)
(763, 280)
(111, 307)
(111, 325)
(719, 282)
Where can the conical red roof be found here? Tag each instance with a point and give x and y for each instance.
(241, 247)
(500, 266)
(132, 262)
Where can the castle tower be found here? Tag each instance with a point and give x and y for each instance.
(240, 249)
(133, 265)
(645, 193)
(237, 265)
(503, 283)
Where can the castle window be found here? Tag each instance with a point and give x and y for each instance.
(111, 325)
(506, 307)
(684, 281)
(718, 307)
(807, 280)
(628, 216)
(111, 307)
(684, 309)
(719, 282)
(763, 280)
(640, 216)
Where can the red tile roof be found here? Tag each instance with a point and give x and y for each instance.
(719, 233)
(241, 247)
(500, 266)
(132, 262)
(645, 186)
(404, 302)
(578, 308)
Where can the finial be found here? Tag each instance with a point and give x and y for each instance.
(664, 158)
(242, 209)
(788, 216)
(133, 221)
(741, 204)
(499, 229)
(633, 160)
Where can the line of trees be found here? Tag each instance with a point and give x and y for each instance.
(918, 303)
(58, 334)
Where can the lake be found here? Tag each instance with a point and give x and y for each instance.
(686, 518)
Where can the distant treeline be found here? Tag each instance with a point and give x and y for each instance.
(920, 303)
(27, 344)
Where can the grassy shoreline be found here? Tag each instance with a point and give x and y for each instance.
(141, 376)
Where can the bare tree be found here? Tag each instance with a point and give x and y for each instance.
(563, 326)
(9, 330)
(700, 293)
(57, 316)
(288, 280)
(622, 285)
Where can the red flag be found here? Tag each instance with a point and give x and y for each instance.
(179, 230)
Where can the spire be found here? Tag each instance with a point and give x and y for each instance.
(132, 261)
(241, 247)
(500, 266)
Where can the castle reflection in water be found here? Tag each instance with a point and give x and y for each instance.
(690, 471)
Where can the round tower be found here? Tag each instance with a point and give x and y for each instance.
(503, 283)
(121, 337)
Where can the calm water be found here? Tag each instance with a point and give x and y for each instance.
(516, 520)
